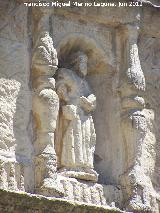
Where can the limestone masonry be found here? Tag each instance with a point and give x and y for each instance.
(79, 107)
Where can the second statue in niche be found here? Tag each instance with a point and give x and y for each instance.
(76, 134)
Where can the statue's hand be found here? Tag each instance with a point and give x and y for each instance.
(89, 103)
(69, 111)
(62, 92)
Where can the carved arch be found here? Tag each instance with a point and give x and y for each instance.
(97, 59)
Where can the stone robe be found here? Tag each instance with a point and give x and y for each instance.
(78, 137)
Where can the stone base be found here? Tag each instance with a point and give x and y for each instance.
(83, 191)
(50, 188)
(82, 174)
(16, 202)
(13, 171)
(73, 189)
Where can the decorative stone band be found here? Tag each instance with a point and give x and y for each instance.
(83, 191)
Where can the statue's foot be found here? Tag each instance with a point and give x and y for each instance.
(80, 173)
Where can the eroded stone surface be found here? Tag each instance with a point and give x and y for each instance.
(18, 202)
(82, 191)
(123, 72)
(15, 99)
(45, 104)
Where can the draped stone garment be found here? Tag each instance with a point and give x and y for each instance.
(78, 136)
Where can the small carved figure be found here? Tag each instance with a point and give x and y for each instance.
(78, 137)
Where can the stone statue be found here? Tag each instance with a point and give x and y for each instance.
(78, 137)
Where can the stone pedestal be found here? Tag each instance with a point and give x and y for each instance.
(83, 191)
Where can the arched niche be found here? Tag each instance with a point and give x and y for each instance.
(97, 59)
(102, 79)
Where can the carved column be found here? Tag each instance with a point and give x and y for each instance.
(45, 102)
(136, 123)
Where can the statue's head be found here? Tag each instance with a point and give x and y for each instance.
(79, 62)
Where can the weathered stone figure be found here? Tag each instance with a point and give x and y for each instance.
(45, 111)
(78, 137)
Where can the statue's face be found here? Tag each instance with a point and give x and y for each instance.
(82, 64)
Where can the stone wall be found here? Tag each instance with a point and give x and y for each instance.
(16, 98)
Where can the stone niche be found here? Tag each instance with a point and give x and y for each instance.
(79, 108)
(98, 42)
